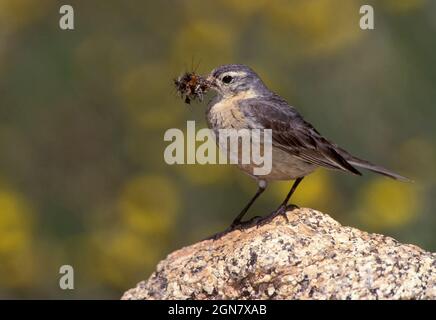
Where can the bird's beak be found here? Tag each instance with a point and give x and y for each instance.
(211, 82)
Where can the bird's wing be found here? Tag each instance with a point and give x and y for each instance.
(291, 133)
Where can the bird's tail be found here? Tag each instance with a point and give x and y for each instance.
(372, 167)
(355, 161)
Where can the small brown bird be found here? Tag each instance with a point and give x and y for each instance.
(244, 102)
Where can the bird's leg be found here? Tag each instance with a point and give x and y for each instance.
(261, 188)
(282, 208)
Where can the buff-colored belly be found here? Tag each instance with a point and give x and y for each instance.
(284, 167)
(226, 115)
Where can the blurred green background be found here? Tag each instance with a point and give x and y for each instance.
(83, 113)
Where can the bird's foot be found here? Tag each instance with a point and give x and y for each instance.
(243, 224)
(283, 209)
(238, 225)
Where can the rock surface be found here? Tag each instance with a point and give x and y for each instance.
(307, 256)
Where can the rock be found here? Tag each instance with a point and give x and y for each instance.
(306, 256)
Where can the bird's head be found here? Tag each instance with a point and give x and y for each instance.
(233, 79)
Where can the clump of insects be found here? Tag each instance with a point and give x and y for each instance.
(191, 86)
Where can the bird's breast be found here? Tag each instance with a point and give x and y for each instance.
(226, 114)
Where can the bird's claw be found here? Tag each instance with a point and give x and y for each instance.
(283, 209)
(243, 224)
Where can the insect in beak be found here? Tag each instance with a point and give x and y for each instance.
(191, 86)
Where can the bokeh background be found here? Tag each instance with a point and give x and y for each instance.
(83, 114)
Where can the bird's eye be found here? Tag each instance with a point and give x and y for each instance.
(227, 79)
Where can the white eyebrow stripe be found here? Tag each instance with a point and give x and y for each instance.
(234, 73)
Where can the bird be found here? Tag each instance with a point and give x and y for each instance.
(243, 101)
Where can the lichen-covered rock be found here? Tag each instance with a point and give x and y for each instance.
(307, 256)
